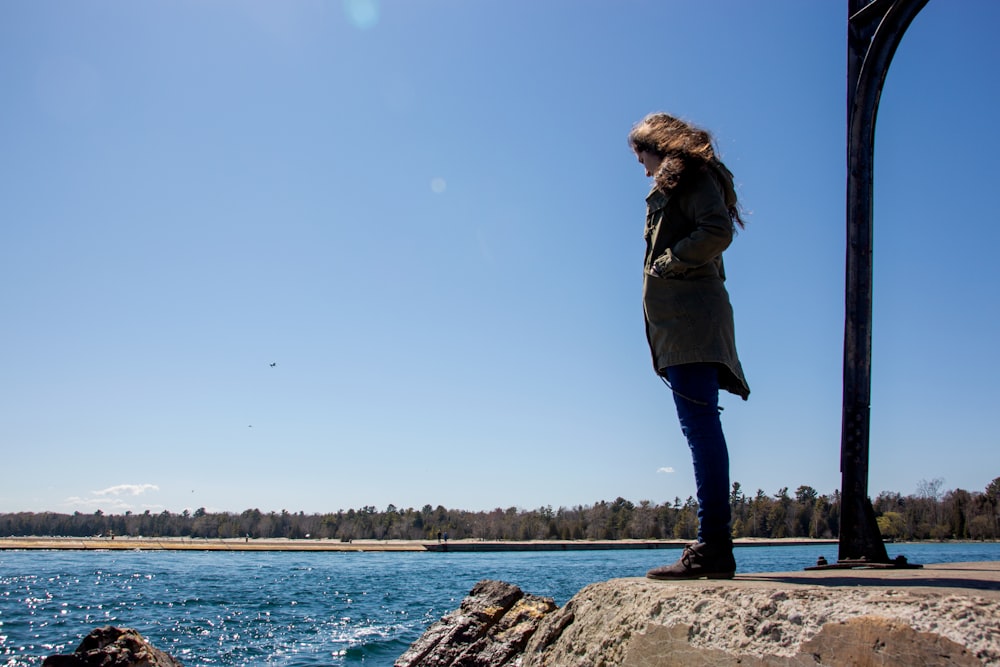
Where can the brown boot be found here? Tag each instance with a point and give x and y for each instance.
(699, 561)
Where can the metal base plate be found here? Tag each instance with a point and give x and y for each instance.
(899, 563)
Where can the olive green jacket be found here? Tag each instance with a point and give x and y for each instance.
(688, 315)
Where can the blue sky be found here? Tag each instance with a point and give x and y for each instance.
(425, 215)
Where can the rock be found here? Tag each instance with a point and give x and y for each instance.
(491, 628)
(635, 623)
(113, 647)
(866, 640)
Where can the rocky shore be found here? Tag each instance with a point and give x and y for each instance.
(944, 614)
(938, 615)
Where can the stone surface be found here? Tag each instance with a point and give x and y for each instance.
(859, 642)
(639, 623)
(491, 628)
(113, 647)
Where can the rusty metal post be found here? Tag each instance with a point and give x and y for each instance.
(874, 30)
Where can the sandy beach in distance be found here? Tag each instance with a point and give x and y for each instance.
(199, 544)
(243, 544)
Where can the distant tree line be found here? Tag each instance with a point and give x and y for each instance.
(928, 514)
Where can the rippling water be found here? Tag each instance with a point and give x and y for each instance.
(310, 609)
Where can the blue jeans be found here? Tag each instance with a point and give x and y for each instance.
(696, 394)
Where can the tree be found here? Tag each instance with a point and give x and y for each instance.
(758, 512)
(778, 517)
(686, 526)
(805, 506)
(927, 511)
(805, 494)
(891, 525)
(930, 489)
(736, 496)
(992, 495)
(621, 517)
(820, 524)
(958, 503)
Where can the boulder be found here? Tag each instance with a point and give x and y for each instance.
(113, 647)
(639, 623)
(490, 628)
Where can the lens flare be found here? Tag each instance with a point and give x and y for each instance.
(363, 14)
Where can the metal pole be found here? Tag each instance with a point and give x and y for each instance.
(875, 29)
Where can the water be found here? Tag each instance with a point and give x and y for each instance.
(311, 609)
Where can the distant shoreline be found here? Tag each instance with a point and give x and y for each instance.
(451, 546)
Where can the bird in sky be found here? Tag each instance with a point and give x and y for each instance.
(273, 364)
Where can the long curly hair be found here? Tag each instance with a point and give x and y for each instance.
(682, 146)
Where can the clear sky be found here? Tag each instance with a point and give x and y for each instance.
(319, 255)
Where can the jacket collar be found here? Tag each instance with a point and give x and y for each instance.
(657, 199)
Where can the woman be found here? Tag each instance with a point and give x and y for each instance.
(691, 217)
